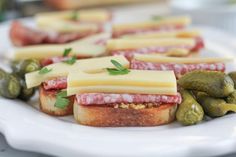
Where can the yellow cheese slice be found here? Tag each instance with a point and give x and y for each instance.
(166, 34)
(149, 81)
(62, 69)
(92, 39)
(177, 20)
(119, 44)
(69, 27)
(95, 15)
(181, 60)
(52, 50)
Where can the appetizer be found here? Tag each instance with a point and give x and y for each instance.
(124, 98)
(180, 66)
(52, 80)
(57, 29)
(169, 46)
(155, 25)
(89, 47)
(171, 34)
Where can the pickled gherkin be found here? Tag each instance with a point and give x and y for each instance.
(233, 77)
(25, 66)
(231, 98)
(216, 84)
(25, 93)
(190, 111)
(9, 86)
(214, 107)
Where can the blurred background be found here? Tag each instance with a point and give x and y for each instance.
(216, 13)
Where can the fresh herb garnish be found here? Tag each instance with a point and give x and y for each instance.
(71, 60)
(119, 70)
(44, 70)
(61, 100)
(157, 17)
(75, 15)
(66, 52)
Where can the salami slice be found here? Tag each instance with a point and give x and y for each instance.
(55, 84)
(179, 69)
(106, 98)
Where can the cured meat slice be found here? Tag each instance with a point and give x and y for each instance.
(179, 69)
(55, 84)
(107, 98)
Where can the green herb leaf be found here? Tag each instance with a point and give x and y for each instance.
(157, 17)
(71, 60)
(62, 94)
(44, 70)
(117, 65)
(66, 52)
(119, 70)
(75, 15)
(61, 100)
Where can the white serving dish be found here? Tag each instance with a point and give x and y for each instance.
(28, 129)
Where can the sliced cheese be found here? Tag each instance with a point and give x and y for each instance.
(92, 39)
(182, 60)
(166, 34)
(62, 69)
(120, 44)
(52, 50)
(137, 81)
(177, 20)
(95, 15)
(69, 27)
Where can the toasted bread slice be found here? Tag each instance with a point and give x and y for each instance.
(118, 117)
(47, 103)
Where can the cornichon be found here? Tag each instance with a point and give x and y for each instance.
(233, 77)
(25, 93)
(231, 98)
(9, 86)
(216, 84)
(214, 107)
(25, 66)
(190, 111)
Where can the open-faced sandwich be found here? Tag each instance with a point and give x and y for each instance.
(167, 46)
(52, 80)
(124, 97)
(183, 33)
(89, 47)
(155, 25)
(59, 27)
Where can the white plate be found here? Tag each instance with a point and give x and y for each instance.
(28, 129)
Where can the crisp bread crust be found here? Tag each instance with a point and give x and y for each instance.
(117, 117)
(47, 101)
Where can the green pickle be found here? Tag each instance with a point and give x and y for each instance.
(216, 84)
(233, 77)
(214, 107)
(231, 98)
(25, 66)
(9, 86)
(190, 111)
(26, 93)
